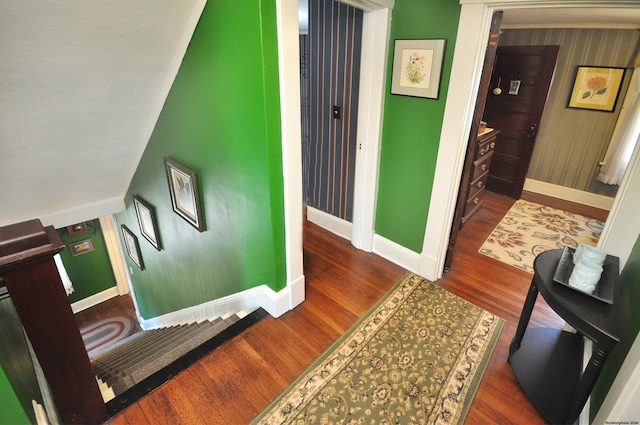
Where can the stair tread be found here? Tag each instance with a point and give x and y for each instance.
(137, 352)
(121, 369)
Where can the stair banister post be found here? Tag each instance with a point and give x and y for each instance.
(31, 277)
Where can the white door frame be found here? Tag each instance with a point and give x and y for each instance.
(373, 69)
(376, 24)
(473, 30)
(373, 74)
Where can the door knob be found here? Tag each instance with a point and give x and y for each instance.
(531, 131)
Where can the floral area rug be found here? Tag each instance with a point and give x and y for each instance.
(417, 357)
(529, 229)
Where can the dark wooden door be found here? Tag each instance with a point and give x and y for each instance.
(518, 91)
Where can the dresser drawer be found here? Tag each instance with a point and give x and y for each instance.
(485, 147)
(476, 174)
(473, 203)
(478, 184)
(481, 165)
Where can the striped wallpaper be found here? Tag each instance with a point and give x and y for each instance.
(572, 142)
(335, 39)
(304, 113)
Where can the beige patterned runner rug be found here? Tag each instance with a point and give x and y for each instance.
(416, 357)
(529, 229)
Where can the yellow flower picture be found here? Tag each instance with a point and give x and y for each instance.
(596, 88)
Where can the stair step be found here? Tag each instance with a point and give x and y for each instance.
(144, 350)
(135, 375)
(141, 355)
(113, 350)
(115, 357)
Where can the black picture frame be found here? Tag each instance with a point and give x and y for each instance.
(147, 221)
(185, 194)
(132, 247)
(596, 88)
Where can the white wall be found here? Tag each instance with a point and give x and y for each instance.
(622, 402)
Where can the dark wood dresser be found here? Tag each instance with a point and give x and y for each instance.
(474, 177)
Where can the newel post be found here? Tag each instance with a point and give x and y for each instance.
(31, 277)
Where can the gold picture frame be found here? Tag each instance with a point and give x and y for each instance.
(77, 229)
(81, 247)
(596, 88)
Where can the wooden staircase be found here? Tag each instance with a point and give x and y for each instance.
(137, 357)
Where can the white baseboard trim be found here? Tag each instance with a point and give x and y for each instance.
(421, 264)
(569, 194)
(275, 303)
(95, 299)
(336, 225)
(40, 413)
(428, 268)
(396, 253)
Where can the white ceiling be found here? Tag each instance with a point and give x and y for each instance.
(81, 85)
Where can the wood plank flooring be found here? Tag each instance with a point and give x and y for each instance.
(237, 381)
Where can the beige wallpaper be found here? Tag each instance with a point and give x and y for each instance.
(571, 142)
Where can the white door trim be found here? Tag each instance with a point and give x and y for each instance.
(473, 30)
(373, 74)
(289, 72)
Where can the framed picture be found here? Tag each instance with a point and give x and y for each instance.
(417, 67)
(81, 247)
(77, 229)
(596, 88)
(147, 222)
(132, 247)
(185, 197)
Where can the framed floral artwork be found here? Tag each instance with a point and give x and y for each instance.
(417, 67)
(596, 88)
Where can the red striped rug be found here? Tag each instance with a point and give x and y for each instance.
(98, 336)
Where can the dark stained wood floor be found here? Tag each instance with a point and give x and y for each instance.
(237, 381)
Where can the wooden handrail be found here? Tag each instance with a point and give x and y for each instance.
(31, 277)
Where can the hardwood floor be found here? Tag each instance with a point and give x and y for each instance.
(111, 308)
(237, 381)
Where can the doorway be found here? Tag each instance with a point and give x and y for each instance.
(470, 46)
(375, 39)
(517, 94)
(333, 47)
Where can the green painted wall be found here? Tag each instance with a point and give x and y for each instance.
(411, 128)
(18, 382)
(629, 328)
(12, 411)
(91, 272)
(222, 120)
